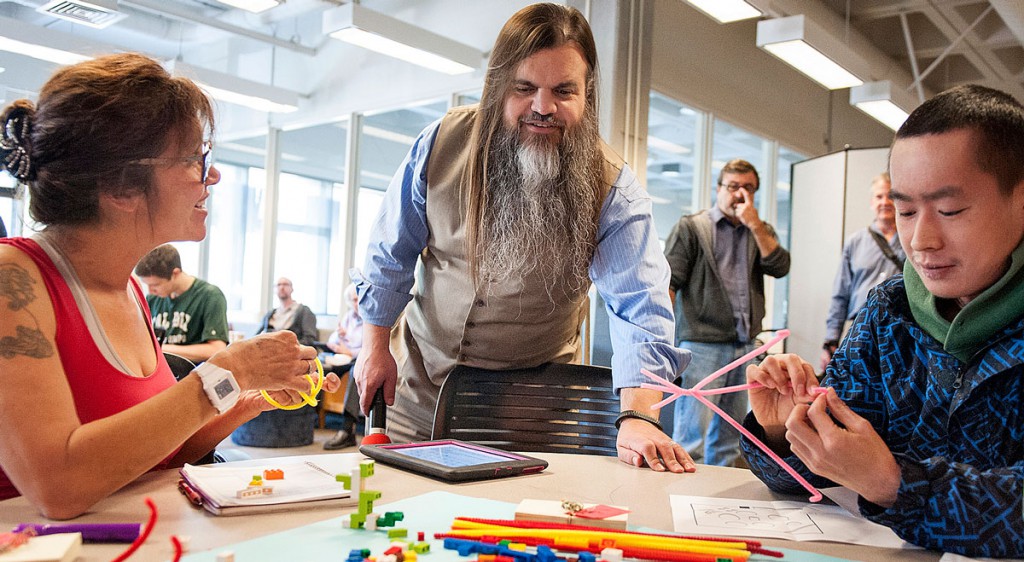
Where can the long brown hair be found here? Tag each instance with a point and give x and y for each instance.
(532, 29)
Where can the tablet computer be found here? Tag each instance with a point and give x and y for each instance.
(453, 460)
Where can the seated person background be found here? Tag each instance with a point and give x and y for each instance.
(925, 415)
(114, 158)
(291, 315)
(189, 312)
(283, 428)
(348, 339)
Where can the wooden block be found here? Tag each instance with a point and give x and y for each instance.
(64, 547)
(548, 511)
(551, 511)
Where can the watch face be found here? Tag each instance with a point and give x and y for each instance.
(224, 388)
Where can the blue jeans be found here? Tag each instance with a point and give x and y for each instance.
(704, 434)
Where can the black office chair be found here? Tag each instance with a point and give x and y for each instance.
(180, 366)
(555, 408)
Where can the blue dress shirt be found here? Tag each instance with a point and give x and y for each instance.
(863, 266)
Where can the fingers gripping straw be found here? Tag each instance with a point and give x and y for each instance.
(699, 395)
(314, 389)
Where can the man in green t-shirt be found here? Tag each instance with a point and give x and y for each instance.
(189, 314)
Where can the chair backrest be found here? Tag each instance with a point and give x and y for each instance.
(555, 408)
(180, 366)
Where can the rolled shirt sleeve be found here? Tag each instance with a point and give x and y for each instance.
(397, 238)
(632, 276)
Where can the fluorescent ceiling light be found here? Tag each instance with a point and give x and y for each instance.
(666, 146)
(888, 113)
(800, 43)
(257, 151)
(44, 44)
(883, 102)
(385, 134)
(239, 91)
(374, 175)
(372, 30)
(254, 6)
(244, 149)
(726, 11)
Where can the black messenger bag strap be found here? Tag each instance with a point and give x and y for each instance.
(886, 249)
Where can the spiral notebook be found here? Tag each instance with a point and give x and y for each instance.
(308, 482)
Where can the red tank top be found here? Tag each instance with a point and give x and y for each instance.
(98, 388)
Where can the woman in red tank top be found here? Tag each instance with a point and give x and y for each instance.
(116, 162)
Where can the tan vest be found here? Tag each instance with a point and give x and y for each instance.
(451, 321)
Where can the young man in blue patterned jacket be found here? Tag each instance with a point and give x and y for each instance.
(924, 417)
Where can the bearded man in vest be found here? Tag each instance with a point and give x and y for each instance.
(503, 214)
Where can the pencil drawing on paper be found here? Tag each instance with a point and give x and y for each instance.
(738, 518)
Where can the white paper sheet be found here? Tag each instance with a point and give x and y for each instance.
(792, 520)
(948, 557)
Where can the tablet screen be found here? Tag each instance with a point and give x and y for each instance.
(450, 454)
(454, 460)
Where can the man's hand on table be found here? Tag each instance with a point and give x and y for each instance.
(640, 442)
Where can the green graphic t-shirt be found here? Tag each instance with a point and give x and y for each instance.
(198, 315)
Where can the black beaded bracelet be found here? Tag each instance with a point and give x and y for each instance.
(640, 416)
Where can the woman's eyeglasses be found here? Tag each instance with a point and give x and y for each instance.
(204, 158)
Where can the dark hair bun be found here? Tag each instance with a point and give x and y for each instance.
(16, 140)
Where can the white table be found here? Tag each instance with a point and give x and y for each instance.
(587, 479)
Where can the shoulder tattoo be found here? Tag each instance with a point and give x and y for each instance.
(16, 287)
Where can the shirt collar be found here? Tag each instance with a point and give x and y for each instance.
(874, 228)
(716, 214)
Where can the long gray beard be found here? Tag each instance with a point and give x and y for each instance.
(540, 218)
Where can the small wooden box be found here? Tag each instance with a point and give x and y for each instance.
(551, 511)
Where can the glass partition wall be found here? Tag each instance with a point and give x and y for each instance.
(675, 143)
(385, 139)
(230, 256)
(312, 214)
(686, 150)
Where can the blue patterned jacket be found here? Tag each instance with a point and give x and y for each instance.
(956, 429)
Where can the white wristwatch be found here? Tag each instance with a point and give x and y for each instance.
(220, 385)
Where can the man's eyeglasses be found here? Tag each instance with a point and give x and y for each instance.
(734, 187)
(204, 158)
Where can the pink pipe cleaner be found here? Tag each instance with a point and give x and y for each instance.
(675, 392)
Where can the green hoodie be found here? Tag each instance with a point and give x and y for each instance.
(990, 312)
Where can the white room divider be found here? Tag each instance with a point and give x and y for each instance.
(831, 200)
